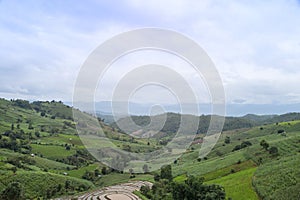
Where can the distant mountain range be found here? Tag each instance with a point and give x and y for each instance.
(259, 112)
(172, 123)
(105, 108)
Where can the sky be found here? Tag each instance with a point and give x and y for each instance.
(255, 46)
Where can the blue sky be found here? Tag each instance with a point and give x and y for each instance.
(255, 45)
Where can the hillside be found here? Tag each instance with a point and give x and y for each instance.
(39, 141)
(250, 171)
(42, 156)
(172, 123)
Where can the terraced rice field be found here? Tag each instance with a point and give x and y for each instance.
(117, 192)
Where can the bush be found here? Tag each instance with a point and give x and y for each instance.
(237, 147)
(12, 191)
(264, 144)
(241, 146)
(145, 189)
(227, 140)
(280, 131)
(273, 150)
(245, 144)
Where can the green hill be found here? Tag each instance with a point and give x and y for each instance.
(41, 152)
(251, 172)
(172, 123)
(40, 149)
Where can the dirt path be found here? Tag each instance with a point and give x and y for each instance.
(117, 192)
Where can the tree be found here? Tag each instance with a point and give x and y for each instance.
(166, 172)
(273, 150)
(145, 189)
(227, 140)
(13, 191)
(280, 131)
(193, 188)
(96, 172)
(264, 144)
(237, 147)
(245, 144)
(179, 190)
(156, 177)
(104, 171)
(88, 176)
(37, 134)
(68, 184)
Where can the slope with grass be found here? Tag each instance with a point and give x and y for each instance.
(39, 141)
(40, 149)
(251, 172)
(238, 185)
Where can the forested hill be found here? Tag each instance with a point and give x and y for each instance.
(173, 121)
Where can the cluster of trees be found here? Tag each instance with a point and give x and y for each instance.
(191, 189)
(14, 190)
(227, 140)
(60, 189)
(81, 158)
(272, 150)
(15, 140)
(173, 122)
(91, 175)
(96, 174)
(243, 145)
(21, 161)
(39, 107)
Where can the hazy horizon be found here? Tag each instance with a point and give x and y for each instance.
(136, 108)
(258, 61)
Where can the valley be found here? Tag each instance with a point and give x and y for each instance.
(42, 156)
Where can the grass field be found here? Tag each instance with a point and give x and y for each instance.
(78, 173)
(274, 173)
(52, 151)
(194, 167)
(38, 183)
(238, 185)
(279, 179)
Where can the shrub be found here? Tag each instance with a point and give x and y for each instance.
(227, 140)
(264, 144)
(273, 150)
(237, 147)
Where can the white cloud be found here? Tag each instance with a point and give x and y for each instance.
(255, 45)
